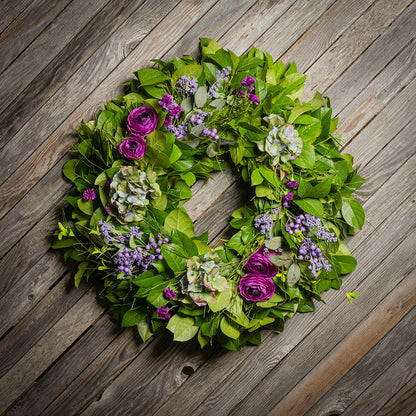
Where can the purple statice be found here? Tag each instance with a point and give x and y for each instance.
(222, 76)
(264, 222)
(169, 293)
(135, 231)
(166, 102)
(309, 251)
(178, 131)
(292, 184)
(105, 229)
(89, 194)
(122, 238)
(275, 209)
(287, 200)
(163, 312)
(248, 82)
(239, 92)
(174, 111)
(325, 235)
(186, 86)
(311, 221)
(211, 133)
(253, 98)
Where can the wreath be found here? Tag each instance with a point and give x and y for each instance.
(134, 167)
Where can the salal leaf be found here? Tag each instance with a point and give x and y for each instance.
(353, 213)
(311, 206)
(229, 329)
(133, 317)
(178, 219)
(183, 328)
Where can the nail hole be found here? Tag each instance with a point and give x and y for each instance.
(30, 297)
(188, 370)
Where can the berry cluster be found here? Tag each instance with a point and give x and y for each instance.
(210, 133)
(198, 118)
(309, 251)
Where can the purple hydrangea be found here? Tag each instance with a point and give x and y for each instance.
(163, 312)
(142, 121)
(89, 194)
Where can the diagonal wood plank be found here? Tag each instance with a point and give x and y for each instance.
(397, 376)
(370, 367)
(26, 27)
(10, 10)
(105, 24)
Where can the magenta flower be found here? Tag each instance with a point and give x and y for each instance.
(253, 98)
(89, 194)
(142, 121)
(169, 293)
(248, 82)
(256, 288)
(260, 264)
(163, 312)
(133, 148)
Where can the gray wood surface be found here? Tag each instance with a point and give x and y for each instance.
(60, 354)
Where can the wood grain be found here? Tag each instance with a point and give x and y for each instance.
(368, 369)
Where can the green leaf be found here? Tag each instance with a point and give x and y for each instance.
(69, 169)
(144, 330)
(353, 213)
(183, 328)
(221, 301)
(229, 329)
(178, 219)
(256, 178)
(174, 257)
(293, 274)
(284, 259)
(101, 179)
(156, 297)
(189, 178)
(344, 264)
(274, 243)
(85, 206)
(351, 296)
(81, 270)
(189, 247)
(150, 76)
(305, 188)
(133, 317)
(201, 96)
(307, 158)
(311, 206)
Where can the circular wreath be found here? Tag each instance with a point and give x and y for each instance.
(133, 171)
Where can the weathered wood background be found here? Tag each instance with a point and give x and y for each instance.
(62, 355)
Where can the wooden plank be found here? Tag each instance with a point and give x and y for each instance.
(290, 26)
(348, 352)
(52, 114)
(325, 32)
(26, 27)
(351, 45)
(44, 48)
(375, 58)
(26, 293)
(68, 60)
(397, 382)
(72, 365)
(360, 111)
(10, 10)
(382, 128)
(369, 368)
(403, 402)
(22, 375)
(41, 318)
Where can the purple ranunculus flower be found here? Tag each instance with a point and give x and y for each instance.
(256, 288)
(133, 148)
(141, 121)
(260, 264)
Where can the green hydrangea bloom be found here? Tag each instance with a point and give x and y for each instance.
(202, 280)
(283, 142)
(129, 192)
